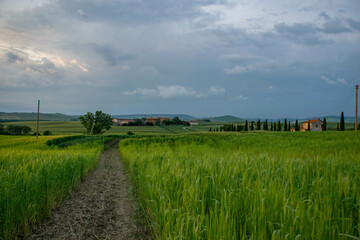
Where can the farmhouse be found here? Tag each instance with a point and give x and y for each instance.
(195, 122)
(156, 120)
(315, 125)
(121, 121)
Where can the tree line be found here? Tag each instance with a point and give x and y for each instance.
(18, 130)
(275, 126)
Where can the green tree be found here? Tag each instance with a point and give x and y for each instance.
(274, 126)
(285, 125)
(266, 125)
(210, 129)
(309, 126)
(88, 122)
(278, 126)
(96, 123)
(289, 126)
(342, 122)
(324, 124)
(47, 133)
(258, 125)
(271, 126)
(246, 125)
(297, 128)
(2, 129)
(252, 126)
(17, 130)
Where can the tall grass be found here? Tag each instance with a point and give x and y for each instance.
(249, 186)
(35, 177)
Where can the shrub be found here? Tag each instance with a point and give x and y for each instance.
(47, 133)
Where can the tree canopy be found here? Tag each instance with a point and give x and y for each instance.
(96, 123)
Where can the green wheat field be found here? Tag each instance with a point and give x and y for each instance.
(249, 186)
(254, 185)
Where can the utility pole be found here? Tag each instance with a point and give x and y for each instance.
(37, 122)
(356, 107)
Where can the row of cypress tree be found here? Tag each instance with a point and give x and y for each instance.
(274, 126)
(258, 125)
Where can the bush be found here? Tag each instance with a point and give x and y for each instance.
(47, 133)
(2, 129)
(130, 133)
(17, 130)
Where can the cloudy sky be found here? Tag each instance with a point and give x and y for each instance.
(199, 57)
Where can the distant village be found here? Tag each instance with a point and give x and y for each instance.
(309, 125)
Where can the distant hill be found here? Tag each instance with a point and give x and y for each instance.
(21, 116)
(139, 116)
(226, 118)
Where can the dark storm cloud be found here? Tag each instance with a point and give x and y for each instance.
(112, 55)
(335, 27)
(13, 58)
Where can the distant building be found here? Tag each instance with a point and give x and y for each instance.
(156, 120)
(121, 121)
(315, 125)
(196, 122)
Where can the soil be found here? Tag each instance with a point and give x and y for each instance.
(101, 207)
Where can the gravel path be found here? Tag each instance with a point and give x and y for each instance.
(101, 207)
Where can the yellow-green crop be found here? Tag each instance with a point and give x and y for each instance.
(249, 186)
(34, 178)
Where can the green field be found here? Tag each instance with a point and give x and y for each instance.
(35, 177)
(249, 185)
(75, 127)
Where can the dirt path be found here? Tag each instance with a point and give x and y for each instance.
(100, 208)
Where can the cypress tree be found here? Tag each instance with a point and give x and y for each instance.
(285, 125)
(210, 129)
(309, 126)
(278, 126)
(324, 124)
(238, 128)
(271, 126)
(296, 126)
(258, 125)
(252, 126)
(342, 122)
(266, 125)
(274, 126)
(289, 128)
(246, 125)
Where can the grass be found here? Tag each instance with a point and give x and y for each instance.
(249, 185)
(35, 177)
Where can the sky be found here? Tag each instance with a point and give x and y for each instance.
(268, 59)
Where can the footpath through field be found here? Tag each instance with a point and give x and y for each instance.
(101, 207)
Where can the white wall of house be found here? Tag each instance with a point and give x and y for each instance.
(316, 126)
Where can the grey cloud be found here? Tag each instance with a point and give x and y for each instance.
(13, 58)
(296, 29)
(324, 15)
(354, 24)
(334, 27)
(112, 55)
(301, 33)
(139, 11)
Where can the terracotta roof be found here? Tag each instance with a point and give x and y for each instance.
(312, 121)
